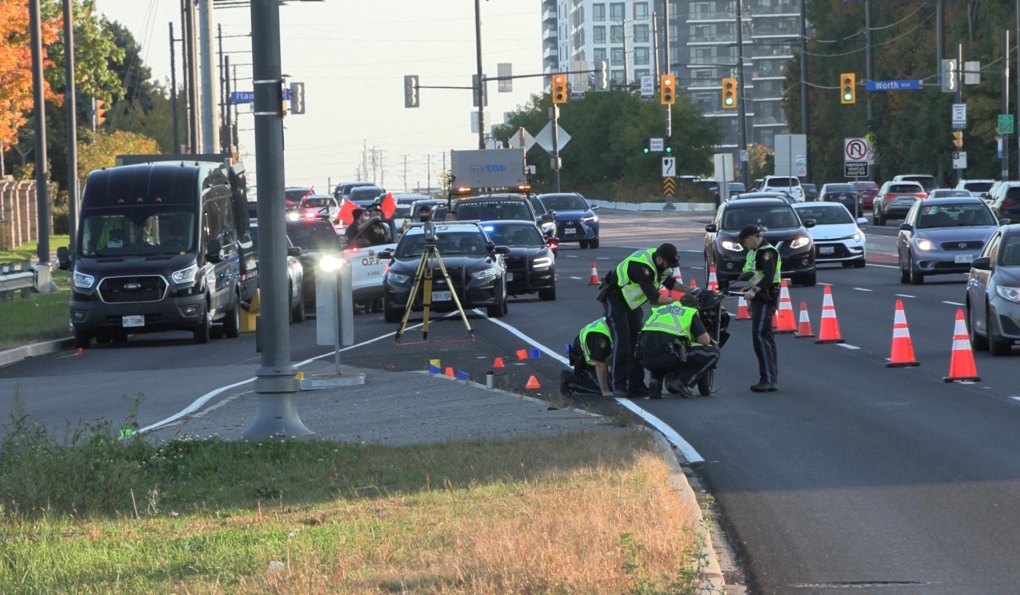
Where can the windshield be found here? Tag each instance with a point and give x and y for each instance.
(1010, 251)
(515, 235)
(314, 238)
(536, 204)
(146, 232)
(316, 203)
(836, 215)
(782, 182)
(566, 202)
(954, 215)
(777, 217)
(365, 193)
(447, 244)
(840, 188)
(493, 211)
(978, 186)
(296, 194)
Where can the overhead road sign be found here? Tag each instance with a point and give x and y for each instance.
(904, 85)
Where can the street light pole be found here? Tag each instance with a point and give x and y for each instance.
(39, 111)
(741, 112)
(480, 84)
(70, 104)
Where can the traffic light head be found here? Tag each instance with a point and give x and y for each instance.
(958, 139)
(559, 88)
(100, 112)
(646, 146)
(411, 91)
(667, 144)
(729, 93)
(667, 86)
(602, 76)
(848, 88)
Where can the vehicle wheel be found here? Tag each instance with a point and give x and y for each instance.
(297, 313)
(82, 339)
(904, 273)
(203, 332)
(859, 264)
(232, 320)
(594, 243)
(977, 342)
(878, 219)
(996, 344)
(915, 277)
(583, 244)
(810, 279)
(216, 331)
(705, 383)
(547, 294)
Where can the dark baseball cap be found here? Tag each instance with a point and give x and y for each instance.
(748, 231)
(669, 253)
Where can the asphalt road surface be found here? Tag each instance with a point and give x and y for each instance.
(853, 475)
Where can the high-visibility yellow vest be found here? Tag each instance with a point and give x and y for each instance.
(749, 265)
(598, 327)
(672, 319)
(632, 292)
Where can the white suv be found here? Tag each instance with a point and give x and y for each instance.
(787, 184)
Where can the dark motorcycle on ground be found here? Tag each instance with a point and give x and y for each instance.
(716, 320)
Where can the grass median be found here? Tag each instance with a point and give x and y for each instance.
(40, 316)
(102, 511)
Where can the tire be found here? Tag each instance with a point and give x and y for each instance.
(232, 320)
(594, 243)
(996, 345)
(82, 339)
(705, 383)
(297, 313)
(548, 295)
(915, 278)
(583, 244)
(877, 219)
(203, 332)
(904, 273)
(977, 342)
(810, 279)
(860, 264)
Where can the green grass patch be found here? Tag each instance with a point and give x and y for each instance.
(40, 316)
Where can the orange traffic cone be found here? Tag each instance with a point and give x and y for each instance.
(828, 331)
(902, 349)
(678, 277)
(804, 324)
(694, 283)
(961, 365)
(713, 282)
(498, 363)
(532, 383)
(449, 372)
(594, 279)
(784, 321)
(79, 351)
(742, 312)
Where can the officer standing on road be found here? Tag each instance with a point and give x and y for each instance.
(633, 282)
(763, 296)
(674, 339)
(588, 354)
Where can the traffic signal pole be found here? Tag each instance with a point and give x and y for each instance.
(741, 114)
(669, 108)
(959, 92)
(481, 78)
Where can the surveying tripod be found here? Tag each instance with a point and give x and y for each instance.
(423, 281)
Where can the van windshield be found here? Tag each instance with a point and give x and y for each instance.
(148, 232)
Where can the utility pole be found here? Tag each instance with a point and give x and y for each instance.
(405, 171)
(655, 43)
(669, 206)
(803, 84)
(1005, 102)
(173, 89)
(959, 95)
(276, 380)
(71, 107)
(741, 112)
(191, 74)
(210, 91)
(428, 171)
(39, 113)
(229, 128)
(869, 66)
(626, 54)
(481, 80)
(382, 170)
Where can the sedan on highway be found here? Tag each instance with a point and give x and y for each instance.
(993, 293)
(475, 265)
(576, 220)
(844, 194)
(837, 236)
(784, 230)
(942, 236)
(295, 275)
(531, 263)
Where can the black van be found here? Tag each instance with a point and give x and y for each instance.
(161, 246)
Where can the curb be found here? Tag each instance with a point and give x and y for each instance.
(19, 353)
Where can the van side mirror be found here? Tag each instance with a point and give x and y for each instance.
(214, 254)
(982, 264)
(711, 228)
(63, 258)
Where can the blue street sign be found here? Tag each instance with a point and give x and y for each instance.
(249, 96)
(905, 85)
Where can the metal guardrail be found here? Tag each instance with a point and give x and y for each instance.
(16, 278)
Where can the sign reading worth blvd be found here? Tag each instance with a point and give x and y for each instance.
(905, 85)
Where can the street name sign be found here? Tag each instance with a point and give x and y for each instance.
(904, 85)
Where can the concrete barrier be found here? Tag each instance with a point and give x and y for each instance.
(681, 207)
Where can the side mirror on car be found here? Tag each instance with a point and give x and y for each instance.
(214, 253)
(385, 254)
(593, 207)
(501, 250)
(862, 221)
(63, 258)
(1004, 221)
(711, 228)
(809, 223)
(906, 227)
(294, 251)
(982, 264)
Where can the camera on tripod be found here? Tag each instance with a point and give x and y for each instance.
(430, 233)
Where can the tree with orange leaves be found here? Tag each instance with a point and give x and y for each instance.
(16, 66)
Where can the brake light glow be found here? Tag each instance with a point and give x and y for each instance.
(921, 195)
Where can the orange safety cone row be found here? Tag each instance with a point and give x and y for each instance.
(594, 279)
(828, 331)
(961, 364)
(784, 322)
(713, 282)
(902, 354)
(804, 324)
(742, 311)
(532, 383)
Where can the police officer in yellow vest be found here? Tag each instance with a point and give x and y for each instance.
(674, 340)
(763, 297)
(633, 282)
(588, 354)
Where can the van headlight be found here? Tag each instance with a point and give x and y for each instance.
(542, 262)
(83, 281)
(799, 242)
(485, 274)
(185, 275)
(731, 246)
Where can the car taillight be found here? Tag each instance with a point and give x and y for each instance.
(888, 196)
(1009, 202)
(921, 195)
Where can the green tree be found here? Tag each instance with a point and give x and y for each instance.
(100, 149)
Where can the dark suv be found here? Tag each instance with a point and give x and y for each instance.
(318, 240)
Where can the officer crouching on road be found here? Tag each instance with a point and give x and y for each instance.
(674, 340)
(588, 354)
(633, 282)
(764, 264)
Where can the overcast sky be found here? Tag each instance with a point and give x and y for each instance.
(352, 57)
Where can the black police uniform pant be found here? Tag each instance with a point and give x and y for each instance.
(762, 314)
(585, 379)
(624, 325)
(699, 361)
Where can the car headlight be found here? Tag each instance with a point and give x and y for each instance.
(858, 237)
(185, 275)
(925, 244)
(542, 262)
(397, 278)
(1008, 293)
(83, 281)
(293, 216)
(591, 219)
(731, 246)
(484, 274)
(799, 242)
(330, 263)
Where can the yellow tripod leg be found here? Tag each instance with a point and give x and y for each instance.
(453, 292)
(410, 297)
(426, 300)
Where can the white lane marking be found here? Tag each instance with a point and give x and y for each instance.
(884, 266)
(676, 439)
(847, 346)
(601, 258)
(952, 303)
(578, 278)
(905, 295)
(1015, 398)
(570, 255)
(862, 289)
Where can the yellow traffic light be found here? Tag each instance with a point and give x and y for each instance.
(729, 93)
(848, 88)
(667, 86)
(100, 112)
(958, 139)
(559, 88)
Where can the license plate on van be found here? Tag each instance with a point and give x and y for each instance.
(133, 321)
